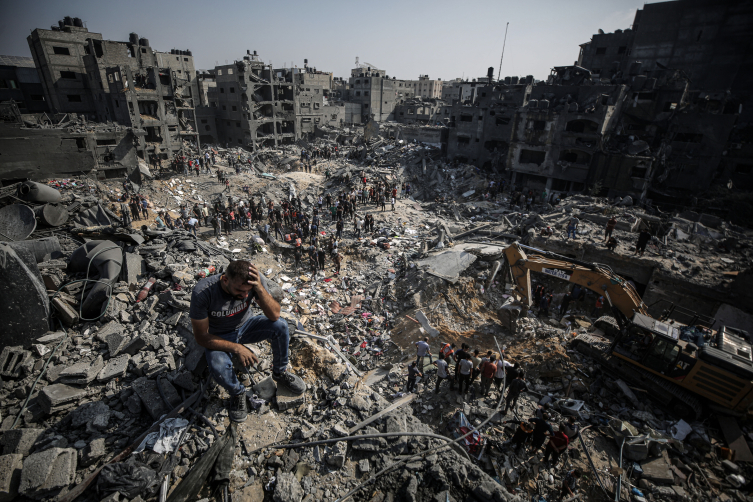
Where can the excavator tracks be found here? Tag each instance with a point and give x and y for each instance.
(669, 395)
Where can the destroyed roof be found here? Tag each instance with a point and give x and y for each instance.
(20, 61)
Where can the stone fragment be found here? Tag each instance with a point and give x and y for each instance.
(94, 415)
(92, 452)
(115, 368)
(266, 388)
(287, 399)
(174, 319)
(373, 444)
(336, 456)
(340, 430)
(108, 329)
(363, 466)
(134, 269)
(59, 396)
(133, 403)
(51, 337)
(358, 402)
(133, 346)
(287, 489)
(10, 475)
(82, 373)
(184, 381)
(150, 398)
(67, 314)
(19, 440)
(47, 472)
(116, 342)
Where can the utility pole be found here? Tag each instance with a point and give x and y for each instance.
(499, 73)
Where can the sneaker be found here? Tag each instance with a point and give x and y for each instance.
(291, 382)
(238, 408)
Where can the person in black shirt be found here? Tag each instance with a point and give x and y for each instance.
(542, 429)
(517, 386)
(522, 434)
(412, 374)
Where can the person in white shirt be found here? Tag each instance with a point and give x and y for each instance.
(465, 368)
(499, 375)
(422, 350)
(192, 222)
(393, 203)
(442, 374)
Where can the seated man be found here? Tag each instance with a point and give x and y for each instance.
(222, 323)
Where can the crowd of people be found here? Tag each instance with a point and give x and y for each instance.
(461, 367)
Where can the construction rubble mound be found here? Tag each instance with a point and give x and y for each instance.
(106, 395)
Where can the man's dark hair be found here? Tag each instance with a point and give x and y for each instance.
(521, 375)
(237, 270)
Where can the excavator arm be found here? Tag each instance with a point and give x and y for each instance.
(620, 294)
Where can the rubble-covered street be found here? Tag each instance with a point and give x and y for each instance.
(119, 359)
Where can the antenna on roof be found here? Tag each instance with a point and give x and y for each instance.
(499, 73)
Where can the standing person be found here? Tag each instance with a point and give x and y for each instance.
(298, 254)
(643, 239)
(557, 444)
(572, 227)
(499, 374)
(476, 360)
(205, 214)
(144, 207)
(542, 429)
(338, 259)
(544, 305)
(529, 201)
(223, 323)
(570, 484)
(610, 228)
(565, 303)
(322, 254)
(313, 259)
(516, 387)
(413, 372)
(192, 224)
(459, 356)
(522, 433)
(442, 373)
(217, 224)
(488, 370)
(393, 203)
(339, 226)
(422, 350)
(570, 428)
(465, 367)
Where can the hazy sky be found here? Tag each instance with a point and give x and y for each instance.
(444, 39)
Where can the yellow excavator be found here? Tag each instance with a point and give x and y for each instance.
(668, 359)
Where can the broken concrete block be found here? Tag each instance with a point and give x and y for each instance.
(51, 337)
(12, 359)
(134, 345)
(107, 329)
(336, 456)
(174, 319)
(94, 415)
(82, 373)
(47, 472)
(92, 452)
(10, 475)
(134, 269)
(24, 304)
(374, 444)
(115, 368)
(58, 397)
(287, 399)
(287, 489)
(150, 398)
(266, 389)
(363, 466)
(19, 440)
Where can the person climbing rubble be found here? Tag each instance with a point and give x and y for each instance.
(223, 323)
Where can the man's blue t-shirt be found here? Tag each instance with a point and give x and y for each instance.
(225, 313)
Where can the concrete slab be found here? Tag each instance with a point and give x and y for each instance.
(47, 472)
(134, 269)
(95, 415)
(658, 471)
(10, 475)
(448, 264)
(107, 329)
(82, 373)
(266, 389)
(19, 440)
(421, 317)
(150, 398)
(58, 396)
(115, 368)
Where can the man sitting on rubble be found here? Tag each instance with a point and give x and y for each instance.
(223, 322)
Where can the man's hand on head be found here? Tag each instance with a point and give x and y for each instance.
(253, 277)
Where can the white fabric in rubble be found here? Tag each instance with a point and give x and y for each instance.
(166, 439)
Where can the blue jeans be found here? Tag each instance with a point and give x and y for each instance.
(570, 230)
(254, 330)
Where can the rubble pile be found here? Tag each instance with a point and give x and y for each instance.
(110, 355)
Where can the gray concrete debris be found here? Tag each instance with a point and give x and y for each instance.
(47, 472)
(150, 398)
(115, 368)
(266, 388)
(13, 360)
(19, 440)
(287, 489)
(59, 396)
(82, 373)
(94, 415)
(448, 264)
(92, 452)
(10, 476)
(287, 400)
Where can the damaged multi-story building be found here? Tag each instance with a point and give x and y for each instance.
(375, 94)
